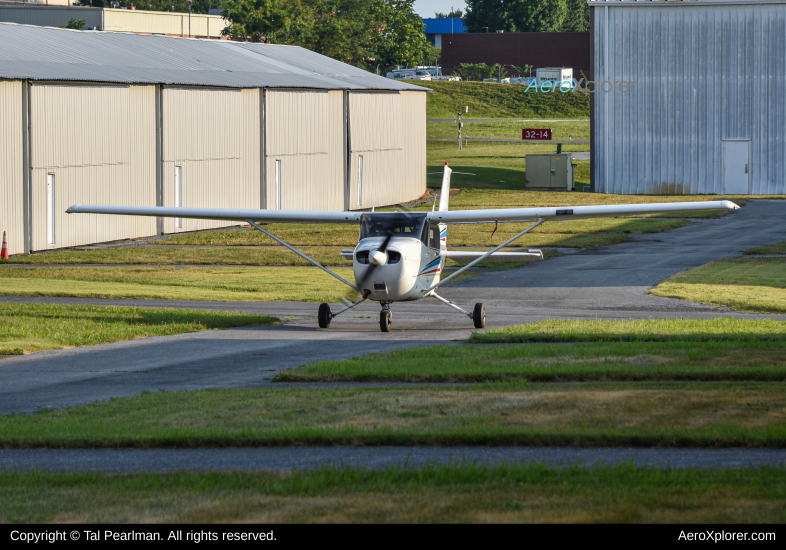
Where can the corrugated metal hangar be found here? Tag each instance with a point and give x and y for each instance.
(689, 96)
(125, 119)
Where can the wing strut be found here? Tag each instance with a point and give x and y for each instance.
(486, 255)
(299, 253)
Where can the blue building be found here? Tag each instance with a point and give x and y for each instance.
(436, 28)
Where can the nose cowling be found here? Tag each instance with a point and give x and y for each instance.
(378, 257)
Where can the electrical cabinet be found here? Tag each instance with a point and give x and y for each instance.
(552, 172)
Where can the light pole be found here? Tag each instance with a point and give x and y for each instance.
(460, 125)
(189, 17)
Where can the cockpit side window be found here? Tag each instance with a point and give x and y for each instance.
(434, 239)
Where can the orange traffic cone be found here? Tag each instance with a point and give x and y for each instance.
(4, 250)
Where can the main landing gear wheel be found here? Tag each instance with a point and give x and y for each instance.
(479, 316)
(385, 318)
(324, 316)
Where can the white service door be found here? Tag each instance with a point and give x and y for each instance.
(178, 194)
(736, 166)
(50, 209)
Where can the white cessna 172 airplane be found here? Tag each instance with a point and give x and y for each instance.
(400, 255)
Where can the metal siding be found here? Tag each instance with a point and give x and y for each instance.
(388, 129)
(162, 22)
(200, 134)
(200, 123)
(719, 75)
(375, 121)
(304, 131)
(250, 145)
(11, 201)
(49, 17)
(414, 150)
(99, 141)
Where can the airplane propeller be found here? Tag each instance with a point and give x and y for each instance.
(374, 262)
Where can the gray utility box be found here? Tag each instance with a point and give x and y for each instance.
(549, 172)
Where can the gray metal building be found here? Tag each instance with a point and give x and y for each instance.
(689, 96)
(111, 118)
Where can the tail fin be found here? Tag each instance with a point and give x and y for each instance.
(444, 196)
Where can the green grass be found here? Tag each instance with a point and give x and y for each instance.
(225, 255)
(577, 233)
(490, 100)
(28, 328)
(243, 284)
(743, 284)
(774, 248)
(462, 492)
(643, 330)
(683, 414)
(509, 130)
(621, 361)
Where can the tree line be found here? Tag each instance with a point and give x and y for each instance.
(526, 15)
(372, 34)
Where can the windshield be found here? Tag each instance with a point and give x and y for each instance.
(397, 223)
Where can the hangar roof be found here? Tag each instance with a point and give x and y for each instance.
(48, 53)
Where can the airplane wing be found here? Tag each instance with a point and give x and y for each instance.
(442, 216)
(242, 215)
(572, 212)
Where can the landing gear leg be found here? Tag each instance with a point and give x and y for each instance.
(478, 314)
(385, 317)
(324, 316)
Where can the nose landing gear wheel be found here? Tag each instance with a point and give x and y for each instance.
(385, 318)
(479, 316)
(324, 316)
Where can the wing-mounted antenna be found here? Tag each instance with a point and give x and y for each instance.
(444, 196)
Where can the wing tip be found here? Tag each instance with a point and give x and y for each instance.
(730, 205)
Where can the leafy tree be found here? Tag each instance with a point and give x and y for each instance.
(400, 40)
(77, 24)
(475, 71)
(455, 14)
(515, 15)
(433, 56)
(342, 29)
(273, 21)
(577, 18)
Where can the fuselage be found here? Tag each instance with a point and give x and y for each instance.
(411, 263)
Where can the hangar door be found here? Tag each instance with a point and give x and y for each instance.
(304, 150)
(90, 144)
(376, 158)
(210, 151)
(11, 199)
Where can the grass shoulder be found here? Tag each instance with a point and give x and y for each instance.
(742, 284)
(640, 330)
(684, 414)
(225, 283)
(26, 328)
(461, 492)
(773, 248)
(491, 100)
